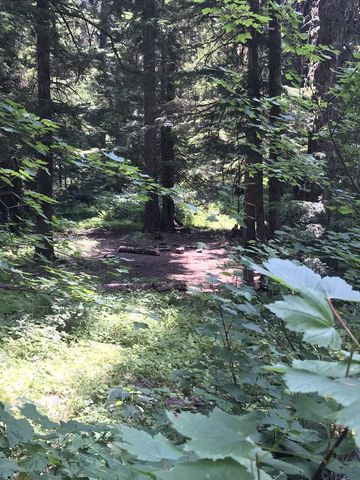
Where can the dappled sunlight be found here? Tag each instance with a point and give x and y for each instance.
(61, 382)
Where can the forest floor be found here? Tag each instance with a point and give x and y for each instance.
(70, 356)
(204, 254)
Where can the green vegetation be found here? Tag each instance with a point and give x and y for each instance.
(67, 357)
(179, 240)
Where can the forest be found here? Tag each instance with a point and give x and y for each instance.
(180, 239)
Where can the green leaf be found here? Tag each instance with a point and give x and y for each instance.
(17, 430)
(290, 274)
(344, 390)
(30, 412)
(7, 467)
(300, 278)
(280, 465)
(208, 470)
(309, 315)
(328, 369)
(35, 463)
(338, 289)
(309, 409)
(145, 447)
(350, 469)
(226, 435)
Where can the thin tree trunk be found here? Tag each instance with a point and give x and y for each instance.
(275, 90)
(44, 180)
(254, 228)
(167, 137)
(152, 210)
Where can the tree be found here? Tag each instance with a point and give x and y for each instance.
(167, 137)
(275, 90)
(149, 14)
(44, 179)
(254, 228)
(329, 21)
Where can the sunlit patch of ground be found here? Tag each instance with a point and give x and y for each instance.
(60, 380)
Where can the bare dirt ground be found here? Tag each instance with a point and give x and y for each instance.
(204, 253)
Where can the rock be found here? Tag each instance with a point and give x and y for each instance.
(180, 250)
(199, 250)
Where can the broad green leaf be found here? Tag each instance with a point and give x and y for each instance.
(208, 470)
(145, 447)
(343, 390)
(36, 463)
(290, 274)
(309, 315)
(30, 412)
(226, 435)
(280, 465)
(328, 369)
(17, 430)
(350, 469)
(309, 409)
(7, 467)
(338, 289)
(301, 278)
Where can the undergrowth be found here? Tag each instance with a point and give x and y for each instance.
(68, 357)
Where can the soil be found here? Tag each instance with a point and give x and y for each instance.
(204, 253)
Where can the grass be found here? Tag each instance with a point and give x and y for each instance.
(210, 218)
(128, 342)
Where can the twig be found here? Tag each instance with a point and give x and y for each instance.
(343, 323)
(329, 455)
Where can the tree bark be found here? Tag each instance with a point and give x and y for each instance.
(329, 20)
(254, 228)
(275, 90)
(152, 210)
(105, 10)
(44, 180)
(167, 137)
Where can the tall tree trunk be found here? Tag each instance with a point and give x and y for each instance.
(275, 90)
(254, 228)
(44, 180)
(152, 210)
(167, 137)
(105, 10)
(103, 73)
(329, 21)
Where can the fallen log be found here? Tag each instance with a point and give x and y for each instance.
(157, 286)
(139, 250)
